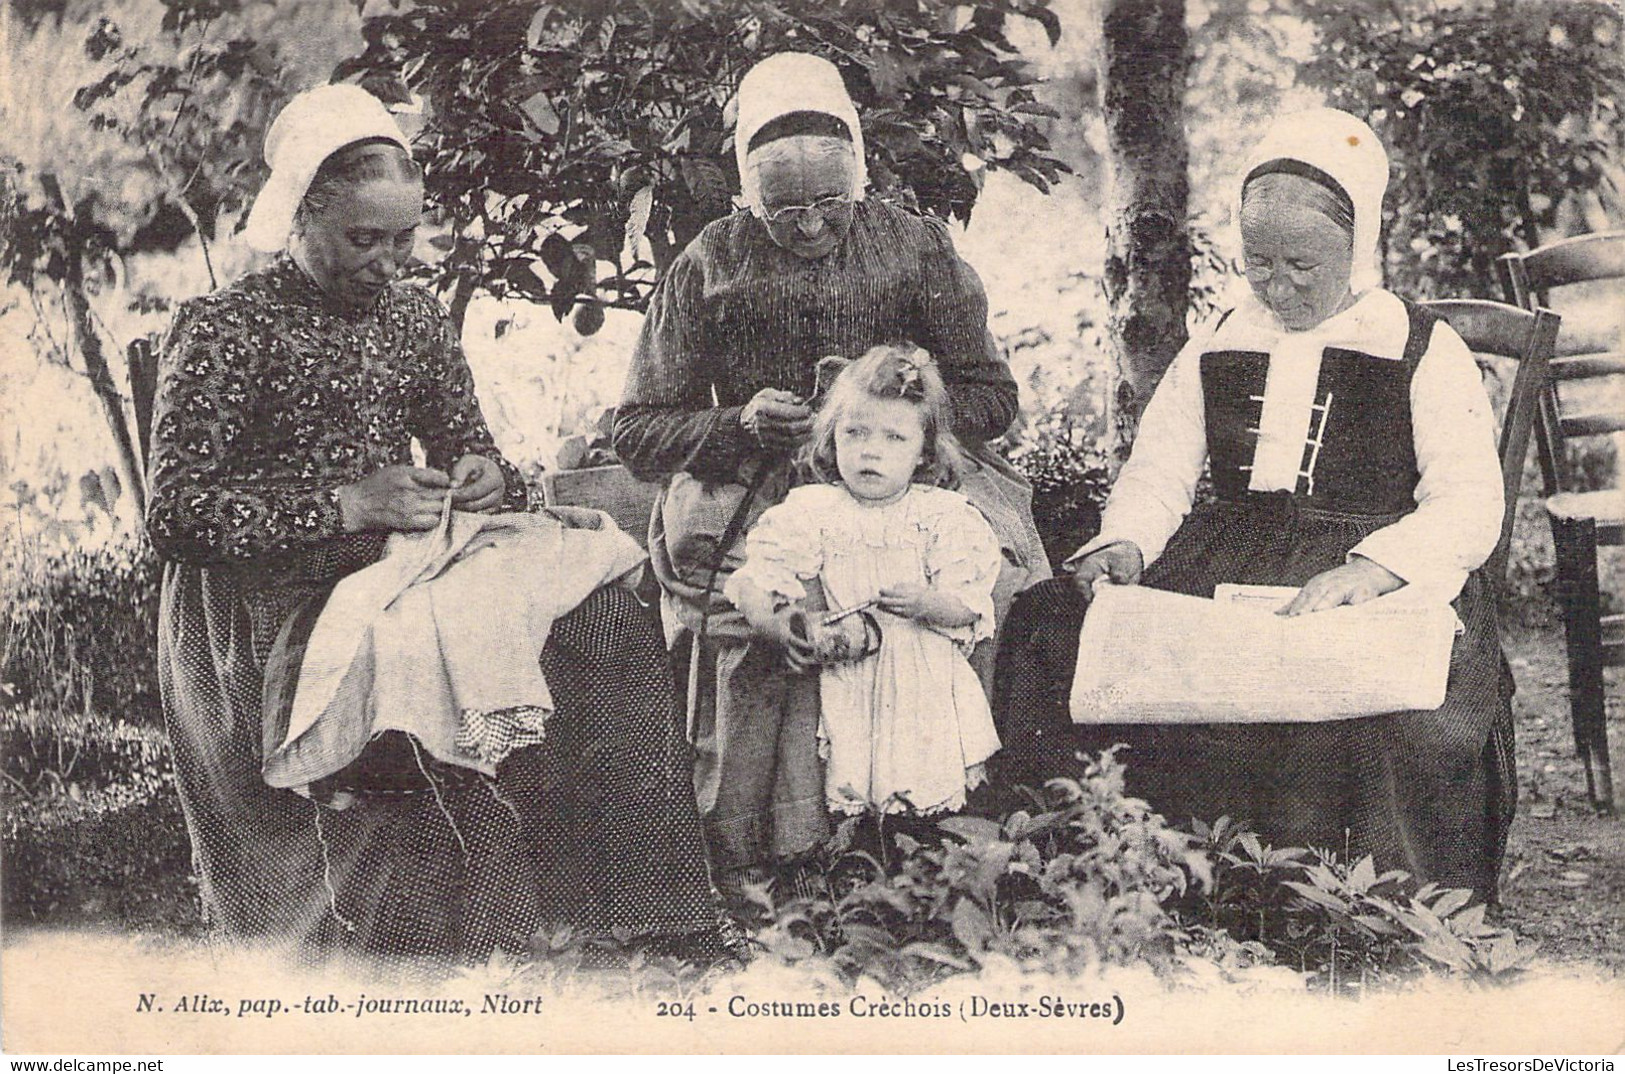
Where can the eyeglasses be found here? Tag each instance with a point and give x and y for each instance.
(1262, 274)
(823, 208)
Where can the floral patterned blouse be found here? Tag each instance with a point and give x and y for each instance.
(269, 398)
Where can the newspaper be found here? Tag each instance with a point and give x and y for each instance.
(1146, 656)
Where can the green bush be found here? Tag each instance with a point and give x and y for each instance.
(78, 631)
(1345, 925)
(1095, 879)
(1069, 478)
(93, 828)
(1076, 886)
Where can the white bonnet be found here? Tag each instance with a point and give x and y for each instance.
(310, 128)
(793, 82)
(1348, 151)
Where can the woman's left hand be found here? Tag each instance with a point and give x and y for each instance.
(477, 484)
(1355, 582)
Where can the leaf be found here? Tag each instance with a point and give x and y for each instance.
(1451, 901)
(1363, 875)
(972, 829)
(1504, 955)
(1035, 108)
(538, 108)
(637, 220)
(1446, 950)
(1249, 843)
(558, 255)
(1049, 20)
(935, 953)
(1381, 926)
(887, 75)
(704, 179)
(1470, 922)
(1315, 895)
(538, 26)
(971, 926)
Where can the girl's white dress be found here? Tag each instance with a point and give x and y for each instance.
(910, 725)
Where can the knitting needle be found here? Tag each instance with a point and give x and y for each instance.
(835, 617)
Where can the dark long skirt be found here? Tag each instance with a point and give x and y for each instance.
(1431, 793)
(595, 828)
(757, 776)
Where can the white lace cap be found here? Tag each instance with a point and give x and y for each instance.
(312, 127)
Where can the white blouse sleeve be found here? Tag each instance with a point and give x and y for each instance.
(1459, 498)
(963, 560)
(1157, 485)
(781, 551)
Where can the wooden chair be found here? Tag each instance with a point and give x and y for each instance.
(1582, 520)
(142, 354)
(611, 489)
(1529, 338)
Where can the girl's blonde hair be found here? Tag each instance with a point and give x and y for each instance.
(889, 371)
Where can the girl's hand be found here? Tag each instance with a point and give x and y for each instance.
(1355, 582)
(920, 602)
(1121, 562)
(477, 484)
(396, 498)
(799, 654)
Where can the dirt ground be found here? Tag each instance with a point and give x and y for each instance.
(1564, 883)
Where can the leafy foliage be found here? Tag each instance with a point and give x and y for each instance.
(78, 632)
(92, 824)
(1346, 923)
(1492, 114)
(177, 110)
(577, 146)
(1064, 461)
(1076, 886)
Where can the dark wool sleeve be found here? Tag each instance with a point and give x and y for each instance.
(443, 411)
(954, 329)
(668, 421)
(207, 395)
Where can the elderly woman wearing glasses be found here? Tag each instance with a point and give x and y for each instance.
(1352, 453)
(721, 392)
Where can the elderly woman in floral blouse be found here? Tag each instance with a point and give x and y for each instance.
(286, 408)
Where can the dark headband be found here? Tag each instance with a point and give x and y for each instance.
(792, 124)
(1288, 166)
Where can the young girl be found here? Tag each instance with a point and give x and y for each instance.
(912, 564)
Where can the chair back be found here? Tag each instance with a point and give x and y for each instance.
(142, 355)
(1530, 339)
(1572, 407)
(611, 489)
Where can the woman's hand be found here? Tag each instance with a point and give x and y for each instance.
(924, 604)
(401, 498)
(800, 655)
(779, 420)
(1355, 582)
(477, 484)
(1121, 562)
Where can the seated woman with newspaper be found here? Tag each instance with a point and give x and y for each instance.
(1351, 448)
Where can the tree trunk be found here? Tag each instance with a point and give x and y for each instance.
(1143, 61)
(103, 384)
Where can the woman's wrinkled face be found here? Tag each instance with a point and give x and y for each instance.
(806, 195)
(362, 241)
(878, 447)
(1298, 260)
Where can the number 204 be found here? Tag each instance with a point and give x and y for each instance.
(674, 1009)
